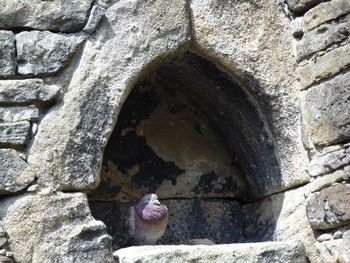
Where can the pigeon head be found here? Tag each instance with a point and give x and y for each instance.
(150, 199)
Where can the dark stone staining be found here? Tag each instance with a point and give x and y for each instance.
(209, 181)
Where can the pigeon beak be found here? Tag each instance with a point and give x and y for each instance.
(156, 202)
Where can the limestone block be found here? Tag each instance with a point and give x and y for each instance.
(300, 6)
(326, 110)
(326, 180)
(135, 37)
(325, 66)
(27, 91)
(322, 37)
(329, 208)
(18, 113)
(325, 12)
(56, 15)
(217, 220)
(243, 253)
(7, 53)
(14, 134)
(323, 163)
(334, 251)
(15, 173)
(42, 53)
(54, 227)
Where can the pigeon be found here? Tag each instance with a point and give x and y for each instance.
(147, 220)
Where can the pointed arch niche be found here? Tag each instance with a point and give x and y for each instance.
(191, 133)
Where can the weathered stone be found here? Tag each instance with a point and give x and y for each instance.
(244, 253)
(324, 237)
(346, 175)
(44, 15)
(54, 227)
(42, 53)
(325, 66)
(274, 218)
(248, 40)
(96, 14)
(325, 12)
(326, 180)
(13, 114)
(7, 53)
(329, 208)
(326, 109)
(300, 6)
(135, 37)
(334, 251)
(222, 221)
(15, 173)
(323, 163)
(322, 37)
(337, 234)
(15, 133)
(27, 91)
(296, 27)
(4, 259)
(2, 241)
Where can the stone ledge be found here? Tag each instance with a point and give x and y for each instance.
(228, 253)
(14, 134)
(325, 12)
(325, 66)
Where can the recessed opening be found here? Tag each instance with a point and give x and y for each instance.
(191, 134)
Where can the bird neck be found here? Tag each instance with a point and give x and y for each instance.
(151, 213)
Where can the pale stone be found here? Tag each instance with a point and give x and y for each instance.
(325, 12)
(27, 91)
(135, 37)
(322, 37)
(301, 5)
(324, 237)
(17, 113)
(15, 173)
(247, 40)
(96, 14)
(35, 60)
(330, 208)
(244, 253)
(53, 15)
(334, 251)
(325, 66)
(296, 27)
(7, 53)
(15, 133)
(325, 181)
(54, 227)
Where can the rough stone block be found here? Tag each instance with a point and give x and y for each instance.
(300, 6)
(322, 37)
(17, 113)
(54, 227)
(326, 110)
(326, 180)
(243, 253)
(58, 50)
(221, 220)
(26, 91)
(325, 12)
(44, 15)
(325, 66)
(323, 163)
(7, 53)
(329, 208)
(14, 134)
(334, 251)
(15, 173)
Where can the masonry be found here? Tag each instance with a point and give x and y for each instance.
(237, 114)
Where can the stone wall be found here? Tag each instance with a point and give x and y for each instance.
(280, 106)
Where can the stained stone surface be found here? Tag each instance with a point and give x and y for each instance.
(330, 207)
(55, 15)
(7, 53)
(54, 227)
(300, 6)
(27, 91)
(15, 172)
(42, 53)
(15, 133)
(135, 37)
(243, 253)
(217, 220)
(326, 109)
